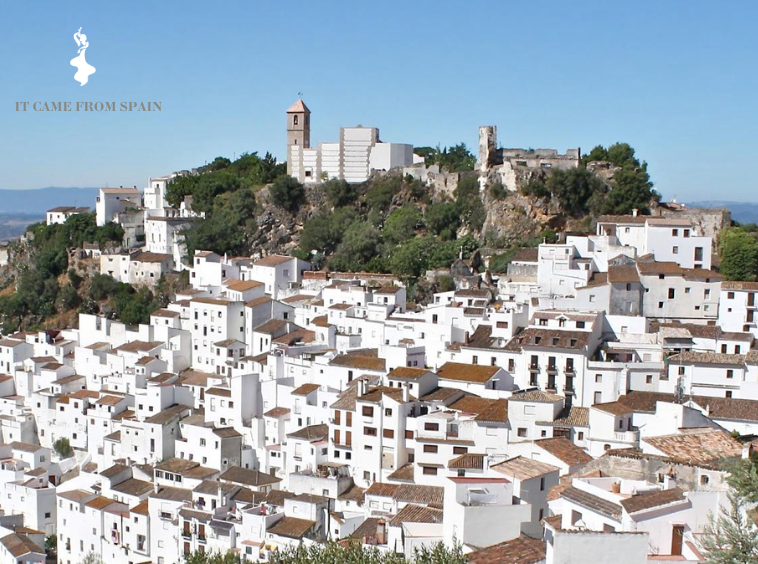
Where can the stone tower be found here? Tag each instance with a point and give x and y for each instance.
(487, 145)
(298, 130)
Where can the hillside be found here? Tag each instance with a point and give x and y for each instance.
(390, 223)
(401, 224)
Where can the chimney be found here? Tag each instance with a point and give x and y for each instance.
(364, 386)
(406, 393)
(635, 212)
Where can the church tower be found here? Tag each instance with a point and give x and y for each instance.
(298, 132)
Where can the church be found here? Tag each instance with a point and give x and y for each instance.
(353, 158)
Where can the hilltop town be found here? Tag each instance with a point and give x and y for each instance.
(542, 375)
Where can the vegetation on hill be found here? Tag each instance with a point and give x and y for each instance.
(46, 284)
(580, 192)
(730, 536)
(456, 158)
(225, 192)
(738, 250)
(388, 224)
(339, 552)
(393, 224)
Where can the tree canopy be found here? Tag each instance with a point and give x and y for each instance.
(738, 251)
(457, 158)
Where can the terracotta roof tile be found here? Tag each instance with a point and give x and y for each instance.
(522, 550)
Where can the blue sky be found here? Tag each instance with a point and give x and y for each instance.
(675, 79)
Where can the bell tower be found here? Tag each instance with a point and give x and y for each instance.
(298, 131)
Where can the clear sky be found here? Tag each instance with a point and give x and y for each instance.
(676, 79)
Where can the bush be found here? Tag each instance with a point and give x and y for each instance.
(63, 448)
(339, 193)
(469, 202)
(287, 193)
(739, 254)
(402, 223)
(380, 195)
(443, 219)
(498, 191)
(536, 188)
(360, 244)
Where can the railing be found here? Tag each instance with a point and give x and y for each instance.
(627, 436)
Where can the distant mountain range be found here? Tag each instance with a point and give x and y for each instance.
(743, 212)
(38, 201)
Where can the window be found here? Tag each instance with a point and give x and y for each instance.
(387, 412)
(521, 432)
(598, 378)
(460, 450)
(431, 426)
(728, 393)
(704, 480)
(430, 471)
(730, 295)
(433, 449)
(388, 434)
(672, 293)
(575, 517)
(369, 431)
(409, 434)
(648, 379)
(475, 360)
(675, 233)
(542, 484)
(681, 371)
(580, 435)
(367, 411)
(675, 250)
(730, 373)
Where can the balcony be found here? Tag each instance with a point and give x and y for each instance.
(552, 369)
(570, 370)
(632, 436)
(534, 368)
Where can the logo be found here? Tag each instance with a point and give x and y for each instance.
(85, 69)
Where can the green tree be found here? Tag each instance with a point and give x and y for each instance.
(411, 259)
(360, 244)
(325, 230)
(402, 224)
(456, 158)
(215, 557)
(51, 544)
(382, 191)
(340, 193)
(630, 189)
(738, 251)
(70, 298)
(357, 553)
(443, 219)
(469, 202)
(574, 189)
(536, 188)
(730, 538)
(63, 448)
(287, 193)
(498, 191)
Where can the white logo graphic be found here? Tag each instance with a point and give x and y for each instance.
(85, 69)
